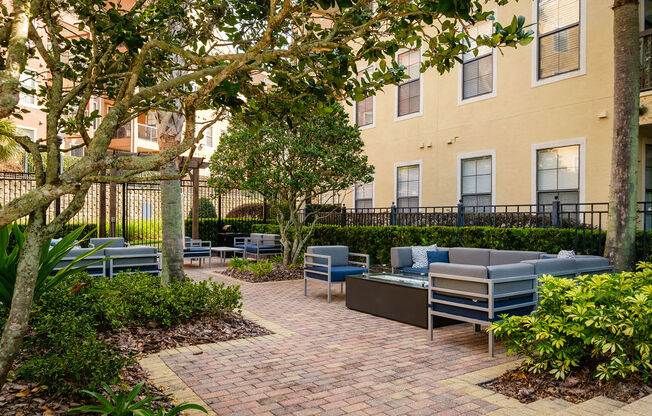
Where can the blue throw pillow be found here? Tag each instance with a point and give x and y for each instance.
(437, 257)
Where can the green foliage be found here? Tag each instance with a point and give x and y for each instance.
(128, 404)
(63, 351)
(48, 260)
(206, 209)
(9, 149)
(261, 268)
(239, 264)
(604, 320)
(209, 229)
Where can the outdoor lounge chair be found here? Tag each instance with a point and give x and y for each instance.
(133, 259)
(97, 269)
(197, 250)
(259, 245)
(116, 242)
(331, 264)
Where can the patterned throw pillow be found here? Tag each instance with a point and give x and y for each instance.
(566, 254)
(420, 256)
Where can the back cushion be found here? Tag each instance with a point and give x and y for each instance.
(474, 256)
(270, 239)
(498, 257)
(437, 257)
(138, 255)
(339, 254)
(256, 236)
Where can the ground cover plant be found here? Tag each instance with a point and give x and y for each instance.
(267, 270)
(596, 326)
(87, 331)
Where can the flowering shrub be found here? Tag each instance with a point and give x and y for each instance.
(603, 320)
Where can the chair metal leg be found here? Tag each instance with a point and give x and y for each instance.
(305, 287)
(477, 327)
(341, 287)
(491, 343)
(430, 326)
(329, 292)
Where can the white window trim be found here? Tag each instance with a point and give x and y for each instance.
(536, 82)
(373, 194)
(581, 141)
(373, 105)
(403, 164)
(421, 81)
(27, 105)
(24, 161)
(460, 75)
(481, 153)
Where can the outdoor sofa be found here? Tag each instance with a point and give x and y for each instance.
(197, 250)
(259, 245)
(331, 265)
(114, 242)
(478, 285)
(111, 261)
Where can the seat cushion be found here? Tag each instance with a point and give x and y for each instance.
(498, 257)
(555, 267)
(472, 256)
(437, 257)
(463, 270)
(338, 273)
(461, 311)
(339, 254)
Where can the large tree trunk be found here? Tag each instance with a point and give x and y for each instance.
(172, 226)
(621, 232)
(27, 272)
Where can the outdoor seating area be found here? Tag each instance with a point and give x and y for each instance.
(259, 245)
(331, 265)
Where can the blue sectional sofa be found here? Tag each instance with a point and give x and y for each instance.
(331, 265)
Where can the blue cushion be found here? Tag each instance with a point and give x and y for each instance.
(196, 249)
(252, 248)
(482, 315)
(437, 257)
(338, 273)
(415, 270)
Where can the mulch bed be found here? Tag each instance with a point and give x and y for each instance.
(577, 388)
(19, 398)
(278, 273)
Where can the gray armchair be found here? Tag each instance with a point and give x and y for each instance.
(259, 245)
(331, 265)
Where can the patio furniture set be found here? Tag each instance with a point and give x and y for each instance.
(472, 285)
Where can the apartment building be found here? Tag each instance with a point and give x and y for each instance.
(512, 126)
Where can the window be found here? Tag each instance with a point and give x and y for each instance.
(31, 133)
(407, 186)
(146, 211)
(477, 71)
(208, 136)
(364, 110)
(409, 92)
(558, 37)
(79, 152)
(364, 196)
(558, 175)
(477, 182)
(647, 15)
(28, 81)
(95, 106)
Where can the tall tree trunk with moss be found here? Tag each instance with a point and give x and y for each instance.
(620, 247)
(171, 218)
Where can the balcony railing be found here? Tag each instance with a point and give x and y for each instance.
(147, 132)
(123, 132)
(646, 60)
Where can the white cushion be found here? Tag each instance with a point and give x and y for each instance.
(420, 255)
(566, 254)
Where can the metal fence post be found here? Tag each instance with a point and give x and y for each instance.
(459, 219)
(556, 213)
(264, 211)
(125, 207)
(343, 216)
(392, 214)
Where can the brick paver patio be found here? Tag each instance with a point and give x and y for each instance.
(334, 361)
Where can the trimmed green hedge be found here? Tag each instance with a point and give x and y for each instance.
(208, 227)
(377, 241)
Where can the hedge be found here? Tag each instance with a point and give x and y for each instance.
(209, 227)
(377, 241)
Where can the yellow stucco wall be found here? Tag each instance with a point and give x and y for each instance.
(519, 116)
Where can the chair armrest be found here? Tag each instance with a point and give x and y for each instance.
(127, 245)
(307, 262)
(240, 240)
(360, 263)
(90, 245)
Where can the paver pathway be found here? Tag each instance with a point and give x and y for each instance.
(334, 361)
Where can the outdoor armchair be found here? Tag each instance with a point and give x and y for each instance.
(259, 245)
(197, 250)
(331, 265)
(133, 259)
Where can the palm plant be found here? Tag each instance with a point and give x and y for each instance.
(9, 149)
(50, 257)
(125, 404)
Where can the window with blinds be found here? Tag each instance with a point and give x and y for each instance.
(558, 37)
(407, 186)
(477, 70)
(364, 110)
(364, 196)
(409, 92)
(477, 183)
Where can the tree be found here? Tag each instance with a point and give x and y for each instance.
(220, 48)
(291, 159)
(620, 247)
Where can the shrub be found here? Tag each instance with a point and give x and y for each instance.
(261, 268)
(250, 210)
(602, 320)
(239, 264)
(206, 209)
(377, 241)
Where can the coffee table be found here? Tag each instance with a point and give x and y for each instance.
(396, 296)
(223, 250)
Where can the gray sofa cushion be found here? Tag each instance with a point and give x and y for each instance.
(588, 264)
(271, 239)
(339, 254)
(497, 257)
(512, 270)
(115, 241)
(401, 257)
(472, 256)
(466, 270)
(555, 267)
(72, 254)
(138, 255)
